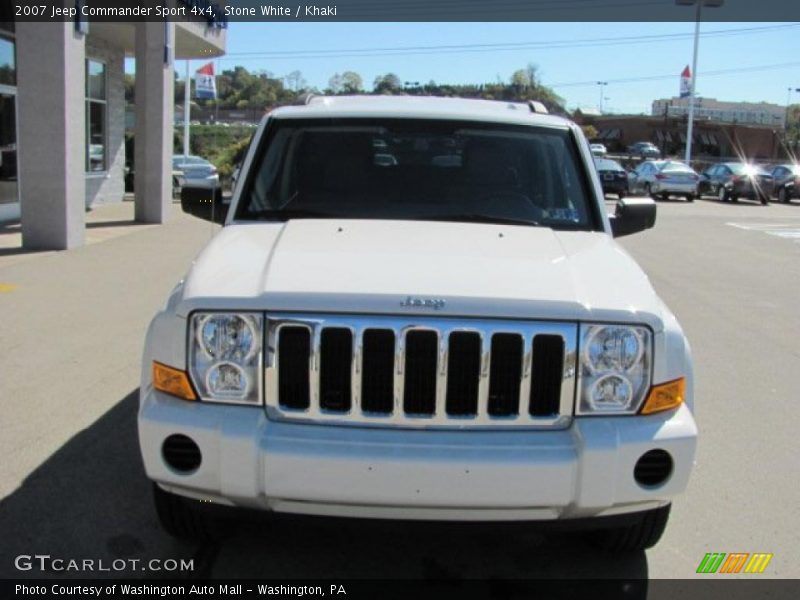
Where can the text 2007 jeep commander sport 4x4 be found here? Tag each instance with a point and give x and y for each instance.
(416, 310)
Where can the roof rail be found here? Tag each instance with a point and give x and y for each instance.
(304, 99)
(537, 107)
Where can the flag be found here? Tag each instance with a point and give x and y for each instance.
(686, 82)
(205, 82)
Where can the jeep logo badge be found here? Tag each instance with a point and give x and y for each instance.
(434, 303)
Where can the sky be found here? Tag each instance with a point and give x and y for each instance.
(765, 56)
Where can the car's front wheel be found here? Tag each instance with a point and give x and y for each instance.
(181, 520)
(782, 195)
(690, 197)
(637, 537)
(723, 194)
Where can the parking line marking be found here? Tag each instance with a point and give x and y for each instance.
(788, 231)
(7, 287)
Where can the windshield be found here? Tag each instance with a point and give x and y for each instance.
(676, 167)
(603, 164)
(417, 169)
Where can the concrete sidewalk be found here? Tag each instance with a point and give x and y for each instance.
(73, 325)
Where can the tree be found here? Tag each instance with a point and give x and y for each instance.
(352, 82)
(335, 84)
(387, 84)
(295, 81)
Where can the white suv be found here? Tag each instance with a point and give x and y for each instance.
(416, 310)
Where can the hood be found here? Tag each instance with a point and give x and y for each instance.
(419, 267)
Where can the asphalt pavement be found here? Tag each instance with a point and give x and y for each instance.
(72, 484)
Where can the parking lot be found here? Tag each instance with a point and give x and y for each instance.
(72, 484)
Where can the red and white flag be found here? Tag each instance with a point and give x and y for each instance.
(686, 82)
(205, 82)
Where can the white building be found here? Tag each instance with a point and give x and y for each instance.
(748, 113)
(62, 119)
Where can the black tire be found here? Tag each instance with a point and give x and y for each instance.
(723, 195)
(783, 196)
(179, 519)
(690, 197)
(632, 538)
(764, 199)
(647, 191)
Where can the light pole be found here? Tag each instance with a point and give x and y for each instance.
(602, 85)
(788, 102)
(700, 4)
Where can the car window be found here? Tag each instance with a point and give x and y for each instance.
(676, 167)
(604, 164)
(417, 169)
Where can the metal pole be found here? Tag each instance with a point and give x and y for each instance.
(693, 86)
(186, 104)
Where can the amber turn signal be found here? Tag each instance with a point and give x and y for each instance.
(665, 396)
(172, 381)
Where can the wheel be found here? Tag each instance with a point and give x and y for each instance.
(690, 197)
(782, 195)
(723, 194)
(647, 191)
(620, 195)
(181, 520)
(764, 199)
(632, 538)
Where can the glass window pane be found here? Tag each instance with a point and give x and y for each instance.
(8, 68)
(96, 144)
(96, 80)
(8, 149)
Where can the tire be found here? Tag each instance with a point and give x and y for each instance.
(764, 199)
(690, 197)
(620, 195)
(647, 191)
(783, 196)
(723, 195)
(179, 519)
(632, 538)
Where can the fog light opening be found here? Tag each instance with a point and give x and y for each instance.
(181, 453)
(653, 468)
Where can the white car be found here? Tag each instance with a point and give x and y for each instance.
(450, 335)
(598, 149)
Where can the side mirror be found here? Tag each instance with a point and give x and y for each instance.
(204, 203)
(633, 215)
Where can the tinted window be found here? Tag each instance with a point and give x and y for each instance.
(417, 169)
(676, 167)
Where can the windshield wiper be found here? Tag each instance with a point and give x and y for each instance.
(285, 215)
(478, 218)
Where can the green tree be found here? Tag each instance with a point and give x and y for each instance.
(387, 84)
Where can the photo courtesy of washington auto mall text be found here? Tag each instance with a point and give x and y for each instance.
(399, 299)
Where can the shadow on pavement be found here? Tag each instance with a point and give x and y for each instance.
(91, 500)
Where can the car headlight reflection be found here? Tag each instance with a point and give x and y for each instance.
(615, 368)
(225, 356)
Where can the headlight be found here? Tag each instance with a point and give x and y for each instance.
(614, 369)
(225, 356)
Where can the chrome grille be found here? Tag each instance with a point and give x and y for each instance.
(420, 372)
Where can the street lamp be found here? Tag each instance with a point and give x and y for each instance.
(602, 84)
(700, 4)
(788, 102)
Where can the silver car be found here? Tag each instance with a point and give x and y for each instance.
(664, 178)
(194, 171)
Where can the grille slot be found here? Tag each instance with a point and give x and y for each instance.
(419, 396)
(547, 373)
(336, 355)
(420, 371)
(505, 374)
(377, 371)
(294, 349)
(463, 373)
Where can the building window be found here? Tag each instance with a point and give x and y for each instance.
(96, 109)
(8, 68)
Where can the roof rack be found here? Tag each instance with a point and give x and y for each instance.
(304, 99)
(537, 107)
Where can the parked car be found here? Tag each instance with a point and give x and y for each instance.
(195, 171)
(613, 177)
(456, 335)
(730, 181)
(598, 149)
(644, 149)
(786, 182)
(665, 178)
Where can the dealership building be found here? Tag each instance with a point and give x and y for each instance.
(62, 120)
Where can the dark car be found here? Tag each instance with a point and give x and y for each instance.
(613, 177)
(733, 180)
(644, 149)
(786, 182)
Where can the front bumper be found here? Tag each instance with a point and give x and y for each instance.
(251, 461)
